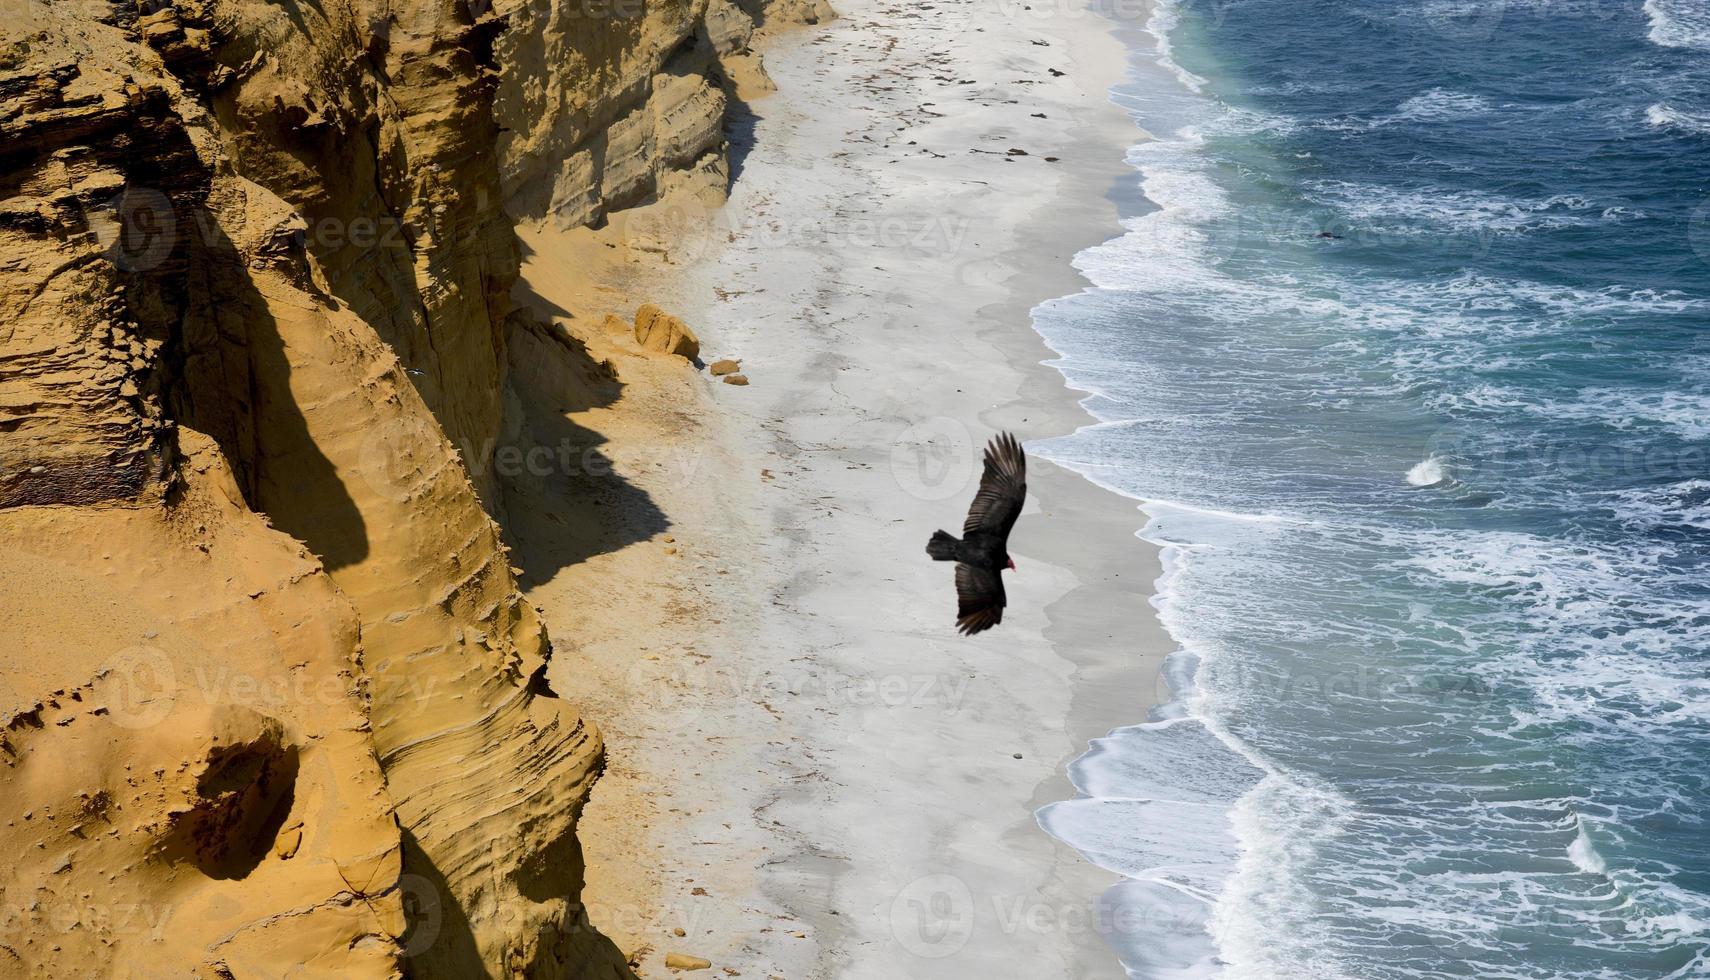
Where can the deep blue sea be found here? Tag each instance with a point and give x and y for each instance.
(1434, 492)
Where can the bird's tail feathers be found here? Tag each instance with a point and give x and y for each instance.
(942, 546)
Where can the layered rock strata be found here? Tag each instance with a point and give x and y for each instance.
(274, 699)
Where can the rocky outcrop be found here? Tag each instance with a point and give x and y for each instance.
(251, 278)
(186, 779)
(608, 104)
(274, 699)
(372, 121)
(82, 409)
(656, 330)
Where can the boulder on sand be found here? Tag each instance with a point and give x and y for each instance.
(681, 961)
(724, 366)
(657, 330)
(736, 379)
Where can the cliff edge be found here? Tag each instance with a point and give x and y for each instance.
(274, 698)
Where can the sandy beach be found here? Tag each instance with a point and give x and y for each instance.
(826, 780)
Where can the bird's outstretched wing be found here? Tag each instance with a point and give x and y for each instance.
(979, 599)
(1003, 489)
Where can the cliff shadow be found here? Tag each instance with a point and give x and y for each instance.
(565, 499)
(232, 381)
(438, 940)
(740, 123)
(298, 488)
(577, 948)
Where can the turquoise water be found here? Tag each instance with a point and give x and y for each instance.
(1435, 492)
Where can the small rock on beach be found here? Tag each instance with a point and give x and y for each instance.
(682, 961)
(660, 331)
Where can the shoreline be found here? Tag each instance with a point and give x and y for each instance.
(823, 690)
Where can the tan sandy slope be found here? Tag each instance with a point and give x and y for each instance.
(271, 695)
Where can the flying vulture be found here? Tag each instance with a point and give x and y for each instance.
(981, 554)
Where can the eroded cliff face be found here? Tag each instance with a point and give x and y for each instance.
(246, 283)
(186, 778)
(185, 769)
(273, 697)
(608, 104)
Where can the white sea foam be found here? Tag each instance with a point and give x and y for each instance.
(1431, 209)
(1583, 853)
(1683, 504)
(1476, 293)
(1163, 22)
(1552, 635)
(1236, 121)
(1157, 508)
(1165, 249)
(1263, 921)
(1223, 847)
(1691, 923)
(1427, 472)
(1157, 797)
(1679, 23)
(1441, 103)
(1557, 576)
(1156, 806)
(1610, 300)
(1431, 106)
(1686, 412)
(1665, 116)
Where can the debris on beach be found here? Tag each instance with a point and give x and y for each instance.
(683, 961)
(657, 330)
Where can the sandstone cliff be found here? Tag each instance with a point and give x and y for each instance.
(273, 695)
(607, 104)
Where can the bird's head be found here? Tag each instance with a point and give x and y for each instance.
(1011, 564)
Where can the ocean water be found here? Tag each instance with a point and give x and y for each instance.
(1434, 492)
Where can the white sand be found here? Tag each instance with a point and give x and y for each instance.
(794, 725)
